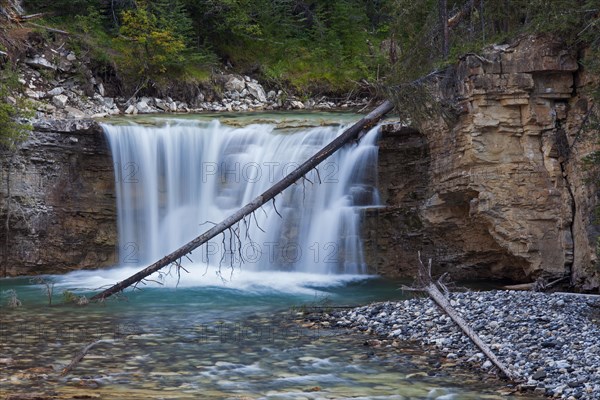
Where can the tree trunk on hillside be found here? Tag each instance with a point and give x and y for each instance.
(443, 13)
(349, 134)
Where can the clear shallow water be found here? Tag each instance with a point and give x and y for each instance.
(214, 341)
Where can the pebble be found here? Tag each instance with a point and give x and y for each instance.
(552, 341)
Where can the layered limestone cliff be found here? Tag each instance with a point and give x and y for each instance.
(503, 192)
(61, 201)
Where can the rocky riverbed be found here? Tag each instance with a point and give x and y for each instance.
(552, 341)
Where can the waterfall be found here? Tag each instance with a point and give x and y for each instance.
(175, 180)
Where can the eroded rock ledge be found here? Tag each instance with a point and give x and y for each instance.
(63, 212)
(503, 193)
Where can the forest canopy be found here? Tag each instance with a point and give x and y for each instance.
(311, 46)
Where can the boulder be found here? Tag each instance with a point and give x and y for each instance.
(40, 63)
(64, 65)
(143, 107)
(45, 107)
(130, 109)
(34, 94)
(257, 91)
(109, 102)
(56, 91)
(74, 113)
(297, 104)
(162, 105)
(235, 83)
(60, 100)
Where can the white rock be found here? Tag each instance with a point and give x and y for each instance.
(34, 94)
(487, 364)
(143, 107)
(235, 84)
(56, 91)
(71, 56)
(60, 100)
(109, 102)
(74, 113)
(130, 109)
(173, 106)
(101, 89)
(161, 104)
(256, 90)
(297, 104)
(45, 107)
(40, 62)
(271, 95)
(99, 115)
(247, 78)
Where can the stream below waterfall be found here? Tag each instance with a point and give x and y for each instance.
(229, 324)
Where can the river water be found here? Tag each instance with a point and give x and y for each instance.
(231, 323)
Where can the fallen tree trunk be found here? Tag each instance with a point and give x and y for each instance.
(54, 30)
(349, 134)
(443, 303)
(426, 284)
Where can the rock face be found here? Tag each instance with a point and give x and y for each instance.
(62, 207)
(503, 193)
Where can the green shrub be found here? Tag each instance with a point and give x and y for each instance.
(13, 111)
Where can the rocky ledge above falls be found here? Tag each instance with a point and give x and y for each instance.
(62, 204)
(503, 192)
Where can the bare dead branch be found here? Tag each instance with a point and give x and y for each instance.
(275, 208)
(53, 30)
(79, 356)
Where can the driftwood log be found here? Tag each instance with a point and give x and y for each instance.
(427, 285)
(349, 134)
(79, 356)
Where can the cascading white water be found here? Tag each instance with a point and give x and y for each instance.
(174, 181)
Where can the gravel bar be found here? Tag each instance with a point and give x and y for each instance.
(552, 341)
